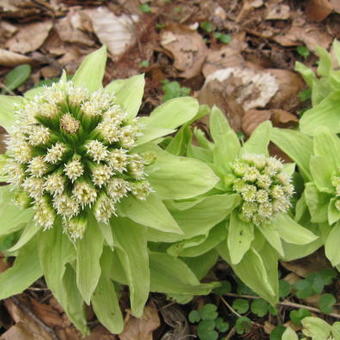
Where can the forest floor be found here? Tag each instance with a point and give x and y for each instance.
(238, 55)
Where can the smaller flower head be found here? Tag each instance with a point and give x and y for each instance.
(118, 160)
(55, 153)
(84, 193)
(39, 135)
(44, 213)
(96, 150)
(55, 184)
(66, 206)
(69, 124)
(76, 227)
(34, 187)
(117, 188)
(101, 174)
(74, 169)
(104, 208)
(37, 166)
(141, 190)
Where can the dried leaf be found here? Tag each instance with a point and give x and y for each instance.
(278, 12)
(8, 58)
(142, 328)
(29, 37)
(116, 32)
(318, 10)
(187, 47)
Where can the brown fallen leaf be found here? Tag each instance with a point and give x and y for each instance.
(142, 328)
(336, 5)
(318, 10)
(29, 37)
(277, 11)
(187, 48)
(279, 118)
(116, 32)
(69, 33)
(8, 58)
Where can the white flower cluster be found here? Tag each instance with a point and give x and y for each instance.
(70, 154)
(265, 189)
(336, 184)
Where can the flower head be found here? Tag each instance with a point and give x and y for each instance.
(265, 189)
(70, 155)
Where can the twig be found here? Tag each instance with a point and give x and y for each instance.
(285, 303)
(230, 308)
(46, 328)
(230, 334)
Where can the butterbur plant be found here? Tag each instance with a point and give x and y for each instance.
(86, 182)
(319, 165)
(250, 221)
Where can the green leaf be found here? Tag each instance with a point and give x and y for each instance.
(72, 301)
(227, 145)
(171, 114)
(185, 249)
(194, 316)
(253, 272)
(296, 145)
(316, 328)
(88, 252)
(104, 301)
(259, 140)
(289, 334)
(179, 144)
(13, 218)
(7, 108)
(199, 219)
(332, 245)
(128, 93)
(322, 172)
(132, 252)
(272, 236)
(240, 237)
(17, 76)
(241, 305)
(304, 288)
(317, 203)
(284, 288)
(223, 38)
(276, 333)
(326, 114)
(208, 312)
(243, 325)
(28, 233)
(259, 307)
(225, 288)
(303, 51)
(170, 275)
(25, 271)
(333, 213)
(205, 330)
(91, 71)
(173, 89)
(307, 74)
(221, 325)
(175, 177)
(151, 213)
(298, 315)
(326, 303)
(291, 231)
(327, 145)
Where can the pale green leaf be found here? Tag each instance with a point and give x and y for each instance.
(28, 233)
(259, 140)
(88, 252)
(170, 275)
(215, 237)
(91, 71)
(325, 62)
(332, 245)
(292, 232)
(104, 301)
(317, 203)
(307, 74)
(176, 177)
(7, 108)
(272, 236)
(106, 230)
(17, 76)
(289, 334)
(152, 133)
(322, 172)
(227, 145)
(240, 237)
(132, 251)
(326, 114)
(25, 271)
(296, 145)
(181, 141)
(13, 218)
(129, 93)
(200, 218)
(333, 213)
(172, 114)
(150, 212)
(316, 328)
(327, 145)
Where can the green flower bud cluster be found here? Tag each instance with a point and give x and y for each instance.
(71, 153)
(265, 189)
(336, 184)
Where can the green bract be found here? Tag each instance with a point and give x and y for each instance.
(318, 159)
(245, 217)
(325, 87)
(87, 183)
